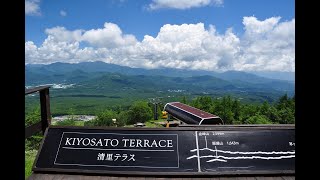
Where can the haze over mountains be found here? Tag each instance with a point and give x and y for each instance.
(99, 78)
(100, 67)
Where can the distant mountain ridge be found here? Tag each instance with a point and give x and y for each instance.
(288, 76)
(101, 67)
(101, 79)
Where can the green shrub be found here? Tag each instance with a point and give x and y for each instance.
(30, 156)
(32, 117)
(257, 119)
(103, 119)
(122, 119)
(67, 122)
(139, 112)
(33, 142)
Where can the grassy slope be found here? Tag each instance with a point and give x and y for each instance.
(152, 123)
(29, 159)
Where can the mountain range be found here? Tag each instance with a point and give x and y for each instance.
(105, 79)
(98, 66)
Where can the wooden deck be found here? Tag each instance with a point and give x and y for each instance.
(36, 176)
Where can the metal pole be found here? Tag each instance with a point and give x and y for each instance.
(155, 111)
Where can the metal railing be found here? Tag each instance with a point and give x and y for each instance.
(44, 108)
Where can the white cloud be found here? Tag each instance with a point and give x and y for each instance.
(52, 51)
(63, 13)
(254, 27)
(217, 2)
(186, 46)
(110, 36)
(182, 4)
(32, 7)
(61, 34)
(265, 45)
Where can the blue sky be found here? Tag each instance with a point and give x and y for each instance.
(244, 28)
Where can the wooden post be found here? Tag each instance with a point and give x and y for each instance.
(45, 109)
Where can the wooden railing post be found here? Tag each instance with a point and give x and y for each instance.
(45, 109)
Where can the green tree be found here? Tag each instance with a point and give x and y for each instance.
(184, 100)
(265, 108)
(203, 102)
(258, 119)
(118, 108)
(139, 112)
(224, 110)
(103, 119)
(122, 119)
(32, 117)
(283, 102)
(286, 116)
(236, 109)
(248, 111)
(273, 115)
(33, 142)
(195, 102)
(285, 110)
